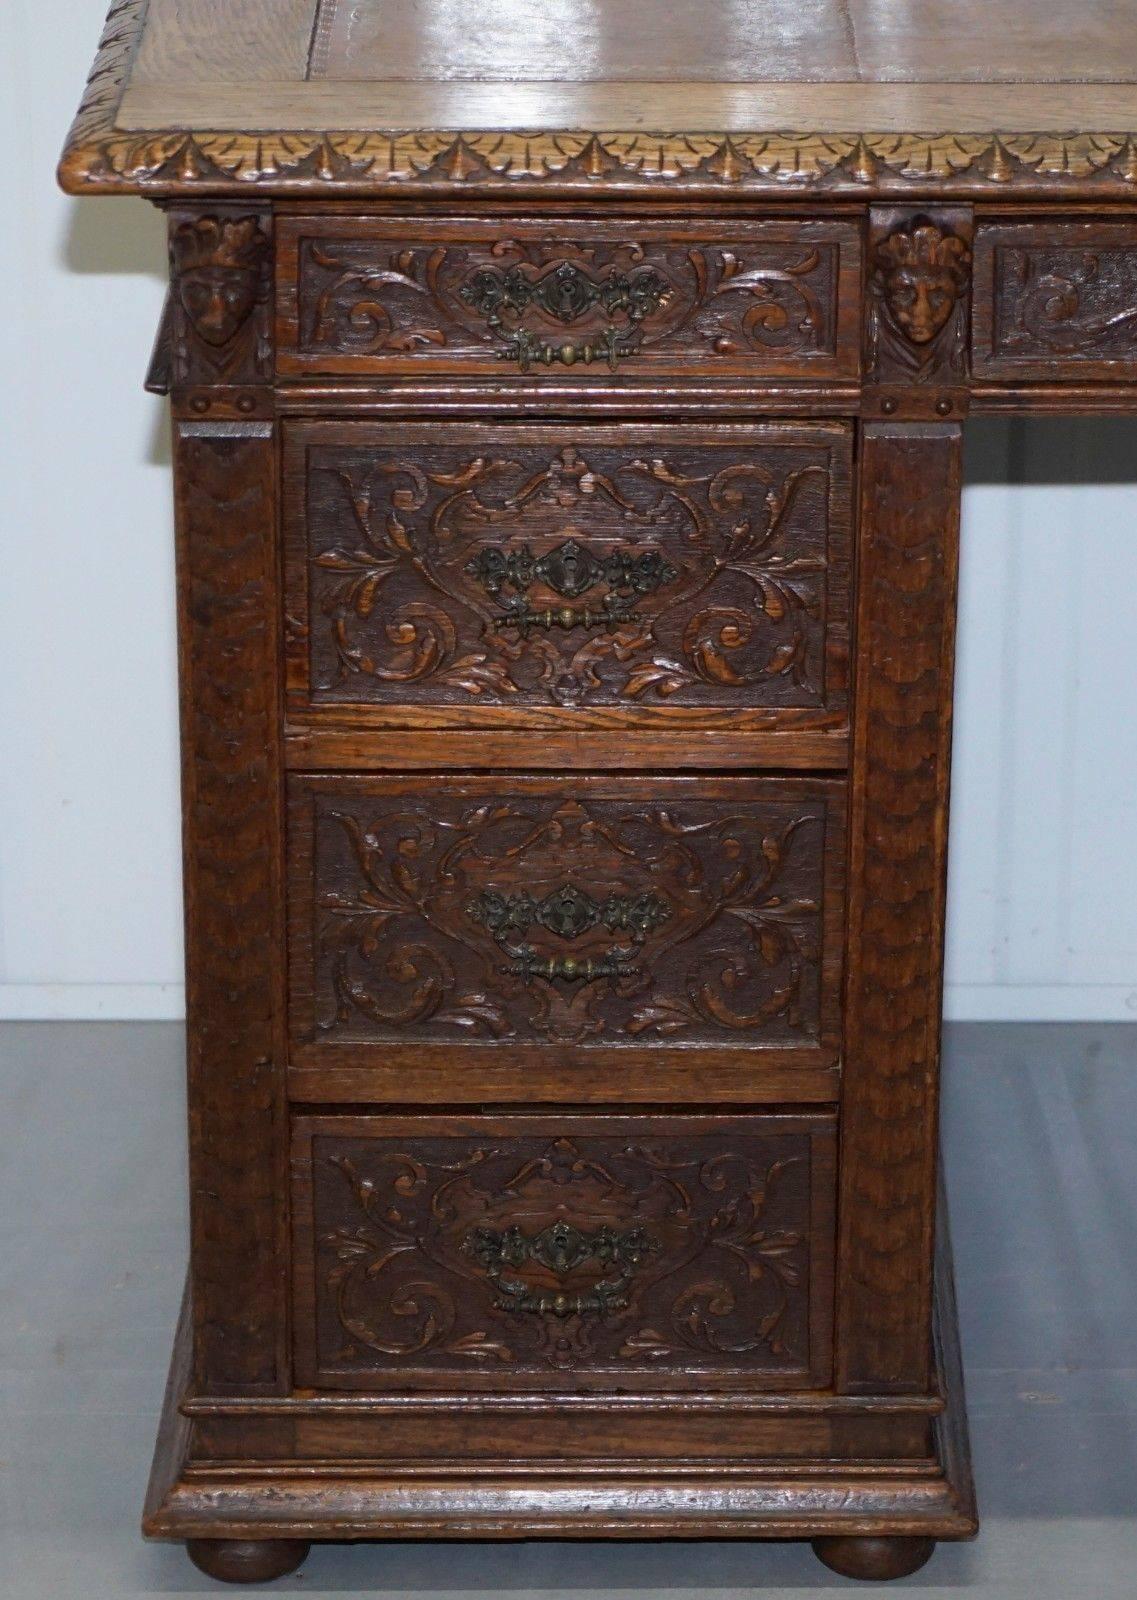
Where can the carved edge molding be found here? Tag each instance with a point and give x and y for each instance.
(100, 157)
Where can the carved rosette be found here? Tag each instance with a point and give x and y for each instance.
(919, 298)
(559, 1252)
(220, 270)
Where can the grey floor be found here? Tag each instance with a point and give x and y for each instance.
(1040, 1133)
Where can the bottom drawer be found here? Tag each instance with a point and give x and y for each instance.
(557, 1252)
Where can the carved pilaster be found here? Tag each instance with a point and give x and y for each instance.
(220, 364)
(918, 310)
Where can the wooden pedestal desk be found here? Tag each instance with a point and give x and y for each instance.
(567, 523)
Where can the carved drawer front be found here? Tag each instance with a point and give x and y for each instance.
(538, 920)
(1056, 300)
(640, 574)
(568, 298)
(607, 1252)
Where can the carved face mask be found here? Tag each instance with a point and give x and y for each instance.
(922, 276)
(217, 300)
(921, 298)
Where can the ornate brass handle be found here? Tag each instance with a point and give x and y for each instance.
(528, 352)
(614, 963)
(561, 1249)
(567, 617)
(563, 292)
(568, 912)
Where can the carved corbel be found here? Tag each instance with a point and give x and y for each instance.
(221, 310)
(918, 313)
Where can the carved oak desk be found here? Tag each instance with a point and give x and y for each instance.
(567, 475)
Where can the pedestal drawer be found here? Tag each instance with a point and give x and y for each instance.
(526, 299)
(582, 937)
(1055, 301)
(607, 1252)
(643, 575)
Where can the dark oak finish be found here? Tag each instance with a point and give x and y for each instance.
(568, 473)
(247, 1560)
(1056, 300)
(637, 297)
(551, 917)
(874, 1560)
(564, 1253)
(667, 575)
(226, 498)
(910, 485)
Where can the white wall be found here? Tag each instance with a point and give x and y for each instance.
(1043, 875)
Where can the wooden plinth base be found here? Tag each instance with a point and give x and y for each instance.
(870, 1518)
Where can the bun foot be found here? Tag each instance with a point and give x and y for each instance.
(247, 1560)
(875, 1560)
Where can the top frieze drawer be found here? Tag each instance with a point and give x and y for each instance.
(581, 300)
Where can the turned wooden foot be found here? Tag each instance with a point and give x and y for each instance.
(247, 1560)
(874, 1559)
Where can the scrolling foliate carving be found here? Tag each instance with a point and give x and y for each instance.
(438, 917)
(919, 297)
(541, 301)
(708, 575)
(687, 1254)
(220, 267)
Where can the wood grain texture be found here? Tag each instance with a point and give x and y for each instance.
(321, 745)
(907, 562)
(533, 919)
(779, 1493)
(225, 477)
(765, 298)
(563, 1253)
(858, 144)
(1056, 300)
(218, 41)
(681, 577)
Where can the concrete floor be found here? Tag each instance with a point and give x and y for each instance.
(1039, 1132)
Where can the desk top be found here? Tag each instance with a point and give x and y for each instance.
(945, 97)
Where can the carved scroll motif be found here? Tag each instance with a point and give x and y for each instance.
(445, 1253)
(439, 918)
(693, 578)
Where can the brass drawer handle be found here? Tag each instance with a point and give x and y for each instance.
(571, 569)
(568, 912)
(614, 963)
(560, 1249)
(564, 292)
(567, 617)
(608, 346)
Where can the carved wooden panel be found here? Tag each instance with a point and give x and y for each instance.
(562, 1252)
(226, 476)
(564, 912)
(522, 298)
(515, 571)
(1056, 300)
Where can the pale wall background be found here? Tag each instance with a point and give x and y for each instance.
(1043, 873)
